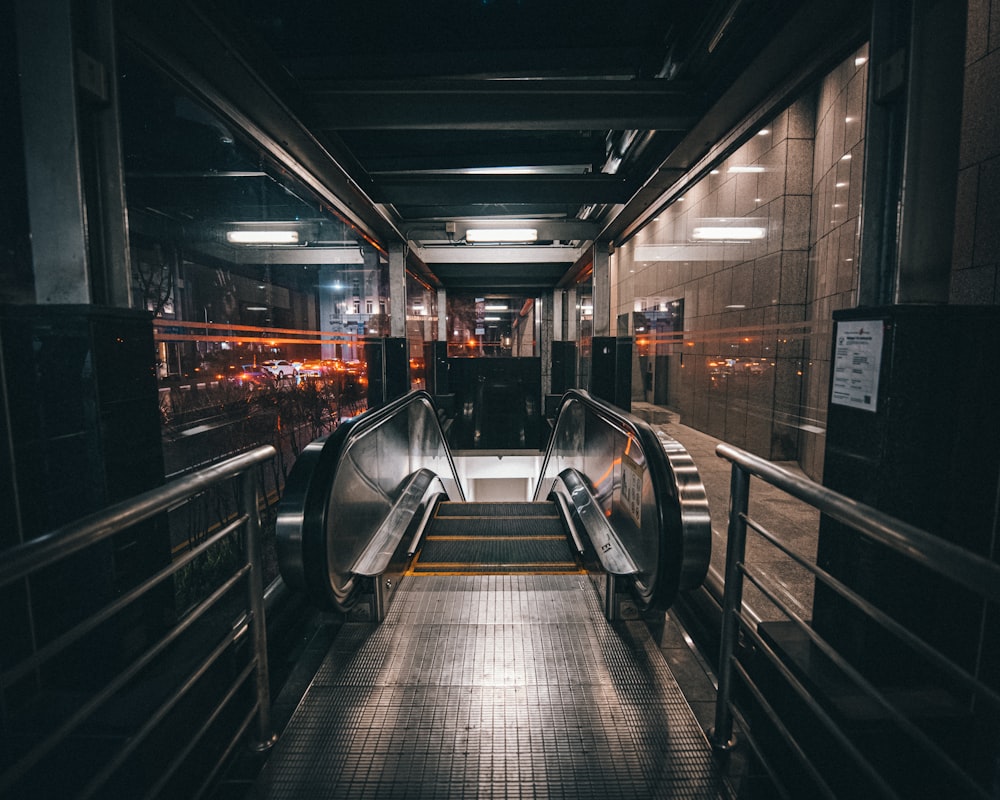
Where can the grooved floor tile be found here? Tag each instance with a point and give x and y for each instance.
(500, 686)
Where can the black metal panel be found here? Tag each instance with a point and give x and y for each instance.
(436, 367)
(611, 370)
(929, 454)
(498, 403)
(388, 369)
(563, 366)
(80, 390)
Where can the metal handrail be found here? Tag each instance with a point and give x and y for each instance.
(678, 497)
(21, 562)
(973, 572)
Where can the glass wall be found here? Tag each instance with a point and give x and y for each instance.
(495, 326)
(240, 258)
(421, 325)
(734, 284)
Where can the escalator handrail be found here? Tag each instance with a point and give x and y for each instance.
(420, 493)
(683, 517)
(580, 506)
(303, 558)
(358, 426)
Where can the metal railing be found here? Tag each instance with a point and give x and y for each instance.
(905, 735)
(29, 751)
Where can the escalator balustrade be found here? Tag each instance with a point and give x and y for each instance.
(382, 497)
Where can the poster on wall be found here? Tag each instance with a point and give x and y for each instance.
(856, 363)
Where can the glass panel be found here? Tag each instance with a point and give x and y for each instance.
(421, 326)
(490, 326)
(223, 237)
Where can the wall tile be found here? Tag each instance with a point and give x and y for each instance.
(987, 235)
(965, 217)
(796, 223)
(981, 111)
(975, 286)
(766, 281)
(799, 167)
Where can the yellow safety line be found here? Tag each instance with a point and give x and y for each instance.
(525, 538)
(457, 568)
(515, 516)
(463, 569)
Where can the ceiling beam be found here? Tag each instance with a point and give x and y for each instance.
(473, 189)
(479, 256)
(551, 104)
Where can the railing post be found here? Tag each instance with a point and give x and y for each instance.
(255, 601)
(610, 601)
(739, 501)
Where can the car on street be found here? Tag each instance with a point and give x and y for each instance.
(313, 369)
(252, 376)
(279, 368)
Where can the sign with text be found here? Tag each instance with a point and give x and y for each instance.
(631, 494)
(856, 363)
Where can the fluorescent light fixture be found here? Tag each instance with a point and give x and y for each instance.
(739, 170)
(256, 308)
(501, 235)
(496, 308)
(262, 237)
(491, 319)
(729, 233)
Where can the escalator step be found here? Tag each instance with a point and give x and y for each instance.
(502, 509)
(495, 538)
(481, 553)
(497, 527)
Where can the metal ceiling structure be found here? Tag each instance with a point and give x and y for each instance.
(419, 121)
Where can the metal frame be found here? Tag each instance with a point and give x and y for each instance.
(21, 562)
(974, 573)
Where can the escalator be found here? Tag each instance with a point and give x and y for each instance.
(504, 654)
(495, 539)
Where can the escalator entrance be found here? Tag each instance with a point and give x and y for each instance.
(496, 539)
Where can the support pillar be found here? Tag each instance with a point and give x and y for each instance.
(73, 160)
(602, 290)
(397, 290)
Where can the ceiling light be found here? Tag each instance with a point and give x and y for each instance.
(262, 237)
(740, 170)
(488, 307)
(501, 235)
(729, 233)
(491, 319)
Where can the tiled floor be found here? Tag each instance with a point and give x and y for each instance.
(495, 687)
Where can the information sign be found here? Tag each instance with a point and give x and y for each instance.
(857, 360)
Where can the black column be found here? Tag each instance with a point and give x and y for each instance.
(80, 392)
(611, 370)
(926, 450)
(388, 369)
